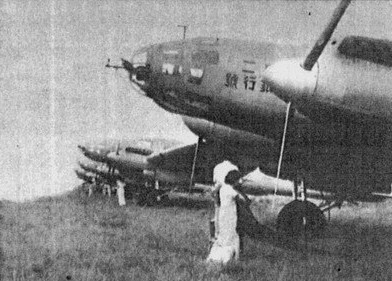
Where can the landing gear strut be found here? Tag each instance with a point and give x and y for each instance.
(298, 217)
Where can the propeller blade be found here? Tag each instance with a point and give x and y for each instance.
(322, 41)
(293, 81)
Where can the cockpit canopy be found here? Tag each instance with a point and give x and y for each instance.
(205, 57)
(369, 49)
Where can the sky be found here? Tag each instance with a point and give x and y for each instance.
(55, 92)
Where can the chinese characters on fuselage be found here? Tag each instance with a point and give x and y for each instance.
(249, 82)
(231, 80)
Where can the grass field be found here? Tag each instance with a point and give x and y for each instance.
(72, 237)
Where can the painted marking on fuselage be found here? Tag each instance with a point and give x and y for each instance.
(251, 78)
(231, 80)
(249, 82)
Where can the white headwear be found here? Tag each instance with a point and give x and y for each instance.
(221, 170)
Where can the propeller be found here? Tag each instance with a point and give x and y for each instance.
(322, 41)
(295, 80)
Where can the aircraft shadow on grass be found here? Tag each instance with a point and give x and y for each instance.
(186, 202)
(342, 239)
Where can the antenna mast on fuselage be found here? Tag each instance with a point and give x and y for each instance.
(185, 27)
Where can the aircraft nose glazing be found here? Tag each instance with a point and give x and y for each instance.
(140, 57)
(94, 154)
(141, 67)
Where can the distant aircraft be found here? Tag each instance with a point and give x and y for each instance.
(323, 122)
(85, 176)
(138, 175)
(149, 174)
(98, 177)
(100, 173)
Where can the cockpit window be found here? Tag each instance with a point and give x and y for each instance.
(200, 59)
(205, 57)
(369, 49)
(171, 69)
(171, 62)
(197, 72)
(168, 68)
(196, 75)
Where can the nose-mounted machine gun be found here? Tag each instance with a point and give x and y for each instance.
(138, 75)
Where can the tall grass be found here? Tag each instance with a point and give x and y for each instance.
(74, 237)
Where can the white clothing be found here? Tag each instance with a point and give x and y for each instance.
(227, 215)
(227, 245)
(221, 170)
(222, 255)
(120, 193)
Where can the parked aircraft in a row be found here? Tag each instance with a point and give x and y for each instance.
(320, 117)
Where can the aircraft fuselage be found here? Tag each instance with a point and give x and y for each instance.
(220, 80)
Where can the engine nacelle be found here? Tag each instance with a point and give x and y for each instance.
(224, 134)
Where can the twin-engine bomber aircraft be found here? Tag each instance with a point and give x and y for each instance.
(153, 167)
(137, 163)
(324, 121)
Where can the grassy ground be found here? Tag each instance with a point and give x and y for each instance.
(73, 237)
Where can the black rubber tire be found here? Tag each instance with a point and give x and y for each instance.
(301, 217)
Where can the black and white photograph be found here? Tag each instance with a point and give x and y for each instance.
(195, 140)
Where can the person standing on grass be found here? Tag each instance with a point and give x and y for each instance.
(219, 174)
(121, 192)
(226, 246)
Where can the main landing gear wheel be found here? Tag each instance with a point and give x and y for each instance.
(300, 217)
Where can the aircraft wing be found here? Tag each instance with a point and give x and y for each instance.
(177, 158)
(209, 154)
